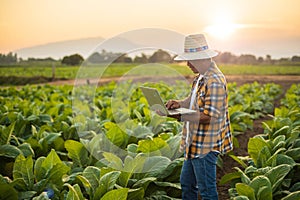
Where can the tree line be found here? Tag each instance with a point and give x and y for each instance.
(9, 58)
(159, 56)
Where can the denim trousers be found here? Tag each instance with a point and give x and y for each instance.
(199, 175)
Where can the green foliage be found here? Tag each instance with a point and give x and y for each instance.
(48, 150)
(41, 72)
(275, 158)
(74, 60)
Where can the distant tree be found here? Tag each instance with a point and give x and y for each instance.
(260, 60)
(269, 60)
(284, 60)
(247, 59)
(10, 58)
(160, 56)
(141, 59)
(41, 59)
(95, 58)
(226, 57)
(295, 59)
(108, 57)
(123, 59)
(74, 59)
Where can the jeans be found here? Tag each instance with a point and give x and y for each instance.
(199, 174)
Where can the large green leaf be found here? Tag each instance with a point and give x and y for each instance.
(245, 190)
(117, 136)
(56, 173)
(113, 161)
(154, 165)
(92, 174)
(262, 182)
(264, 193)
(7, 192)
(118, 194)
(86, 184)
(294, 153)
(277, 141)
(26, 149)
(277, 174)
(142, 131)
(51, 160)
(131, 166)
(229, 177)
(23, 170)
(74, 192)
(48, 138)
(272, 161)
(30, 195)
(241, 198)
(239, 160)
(77, 152)
(5, 133)
(152, 146)
(172, 171)
(244, 178)
(171, 150)
(255, 145)
(143, 183)
(263, 156)
(292, 196)
(168, 184)
(51, 168)
(136, 194)
(9, 151)
(107, 183)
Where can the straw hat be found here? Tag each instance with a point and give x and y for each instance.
(195, 47)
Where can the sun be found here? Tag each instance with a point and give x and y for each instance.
(222, 28)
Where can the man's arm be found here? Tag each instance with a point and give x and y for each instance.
(184, 103)
(197, 117)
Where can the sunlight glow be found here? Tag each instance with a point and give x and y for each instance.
(222, 28)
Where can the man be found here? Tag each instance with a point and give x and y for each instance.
(206, 133)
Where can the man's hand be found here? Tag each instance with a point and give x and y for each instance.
(172, 104)
(177, 117)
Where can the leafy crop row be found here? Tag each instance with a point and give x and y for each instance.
(84, 144)
(274, 157)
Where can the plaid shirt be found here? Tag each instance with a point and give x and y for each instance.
(212, 100)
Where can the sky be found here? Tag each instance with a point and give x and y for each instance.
(258, 27)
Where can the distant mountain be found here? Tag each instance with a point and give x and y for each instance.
(84, 47)
(58, 50)
(132, 42)
(147, 40)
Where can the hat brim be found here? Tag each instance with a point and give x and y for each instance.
(196, 55)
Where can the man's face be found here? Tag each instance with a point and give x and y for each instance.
(198, 66)
(192, 67)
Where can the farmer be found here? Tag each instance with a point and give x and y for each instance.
(206, 133)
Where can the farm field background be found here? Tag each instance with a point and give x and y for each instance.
(38, 128)
(36, 72)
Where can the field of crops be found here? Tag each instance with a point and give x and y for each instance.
(70, 72)
(58, 142)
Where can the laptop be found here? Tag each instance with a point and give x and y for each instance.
(156, 103)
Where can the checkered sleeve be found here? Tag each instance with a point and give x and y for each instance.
(214, 100)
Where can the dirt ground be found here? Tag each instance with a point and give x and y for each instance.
(229, 163)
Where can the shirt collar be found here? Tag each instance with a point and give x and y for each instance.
(210, 70)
